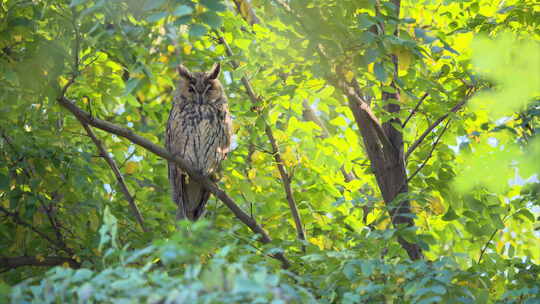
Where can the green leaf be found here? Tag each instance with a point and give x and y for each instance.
(214, 5)
(182, 10)
(132, 101)
(197, 30)
(349, 270)
(82, 275)
(525, 213)
(379, 71)
(4, 182)
(450, 215)
(76, 2)
(212, 19)
(153, 4)
(473, 228)
(131, 85)
(156, 17)
(242, 43)
(365, 21)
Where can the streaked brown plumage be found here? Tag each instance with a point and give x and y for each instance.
(198, 130)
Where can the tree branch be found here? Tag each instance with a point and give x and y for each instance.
(285, 178)
(414, 110)
(430, 152)
(433, 126)
(364, 107)
(15, 216)
(46, 208)
(484, 248)
(117, 174)
(14, 262)
(162, 152)
(245, 9)
(310, 115)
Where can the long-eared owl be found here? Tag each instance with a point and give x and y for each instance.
(199, 131)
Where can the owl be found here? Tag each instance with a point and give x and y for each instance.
(199, 131)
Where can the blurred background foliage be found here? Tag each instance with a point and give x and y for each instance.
(473, 180)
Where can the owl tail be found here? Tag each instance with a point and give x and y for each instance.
(189, 195)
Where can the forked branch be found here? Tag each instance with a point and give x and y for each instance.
(433, 126)
(162, 152)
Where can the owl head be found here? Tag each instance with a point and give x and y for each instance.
(200, 87)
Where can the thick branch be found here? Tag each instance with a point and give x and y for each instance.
(162, 152)
(364, 107)
(10, 263)
(117, 174)
(433, 126)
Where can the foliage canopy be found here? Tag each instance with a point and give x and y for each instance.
(389, 150)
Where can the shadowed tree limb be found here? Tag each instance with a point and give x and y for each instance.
(13, 262)
(121, 182)
(162, 152)
(15, 216)
(29, 172)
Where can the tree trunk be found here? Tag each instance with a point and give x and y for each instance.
(388, 165)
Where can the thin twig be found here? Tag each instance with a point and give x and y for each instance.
(415, 109)
(127, 159)
(433, 126)
(121, 182)
(484, 248)
(21, 222)
(29, 171)
(286, 180)
(430, 152)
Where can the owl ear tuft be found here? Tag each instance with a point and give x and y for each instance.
(214, 72)
(184, 72)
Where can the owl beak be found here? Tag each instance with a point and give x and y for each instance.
(200, 99)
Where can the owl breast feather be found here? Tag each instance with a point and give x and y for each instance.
(200, 134)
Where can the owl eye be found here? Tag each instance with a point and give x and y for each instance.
(191, 89)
